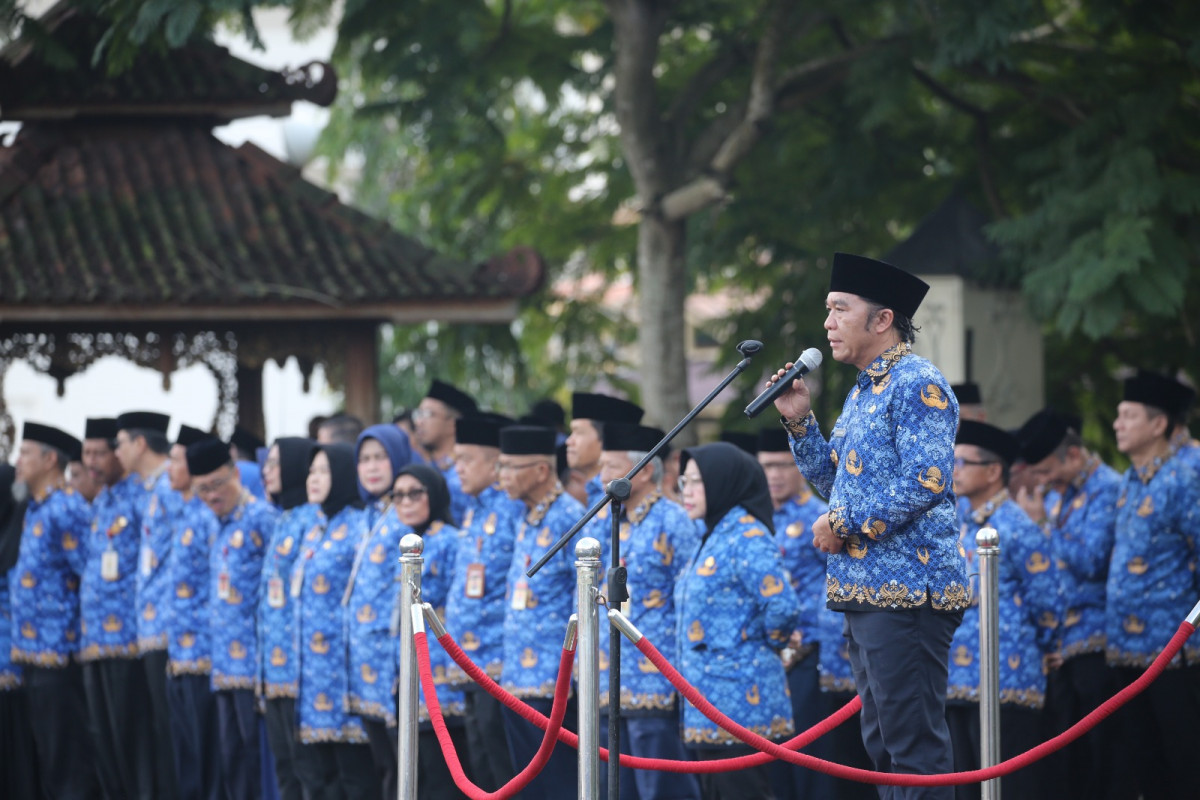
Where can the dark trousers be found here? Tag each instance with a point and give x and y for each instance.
(899, 660)
(18, 770)
(154, 662)
(383, 753)
(118, 703)
(434, 781)
(1160, 733)
(491, 766)
(1090, 768)
(57, 706)
(285, 745)
(239, 744)
(628, 786)
(560, 777)
(746, 784)
(804, 686)
(194, 736)
(1020, 729)
(844, 745)
(338, 771)
(657, 736)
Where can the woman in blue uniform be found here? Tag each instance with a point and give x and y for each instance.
(735, 610)
(370, 596)
(421, 500)
(337, 759)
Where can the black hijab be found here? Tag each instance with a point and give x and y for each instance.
(343, 473)
(732, 477)
(295, 454)
(439, 494)
(12, 519)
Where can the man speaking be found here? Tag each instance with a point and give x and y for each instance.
(894, 567)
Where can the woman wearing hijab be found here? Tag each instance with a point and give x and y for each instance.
(17, 778)
(284, 473)
(735, 610)
(337, 760)
(370, 597)
(421, 502)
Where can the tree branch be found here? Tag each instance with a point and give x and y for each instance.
(637, 27)
(713, 72)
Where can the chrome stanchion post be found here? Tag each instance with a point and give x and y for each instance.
(411, 547)
(987, 543)
(587, 569)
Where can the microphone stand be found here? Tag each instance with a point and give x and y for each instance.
(616, 493)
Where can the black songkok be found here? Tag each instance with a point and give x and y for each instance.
(1160, 391)
(207, 456)
(143, 421)
(100, 428)
(743, 441)
(968, 394)
(989, 437)
(481, 429)
(878, 282)
(638, 438)
(1041, 435)
(605, 408)
(452, 396)
(188, 435)
(773, 440)
(527, 440)
(45, 434)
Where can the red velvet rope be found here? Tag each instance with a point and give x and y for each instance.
(894, 779)
(559, 710)
(636, 762)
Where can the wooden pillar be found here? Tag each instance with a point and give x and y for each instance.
(250, 400)
(362, 371)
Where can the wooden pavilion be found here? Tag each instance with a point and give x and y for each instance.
(127, 228)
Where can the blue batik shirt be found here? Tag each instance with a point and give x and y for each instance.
(833, 661)
(108, 600)
(1081, 524)
(44, 586)
(459, 500)
(1186, 448)
(372, 597)
(189, 645)
(10, 673)
(236, 560)
(279, 672)
(887, 471)
(1028, 607)
(250, 474)
(536, 609)
(153, 576)
(805, 564)
(735, 611)
(438, 556)
(656, 540)
(322, 572)
(1152, 580)
(485, 550)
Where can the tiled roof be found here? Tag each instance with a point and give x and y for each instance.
(165, 216)
(198, 79)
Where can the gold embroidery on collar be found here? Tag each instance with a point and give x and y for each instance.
(888, 359)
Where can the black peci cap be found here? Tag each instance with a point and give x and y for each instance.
(143, 421)
(481, 429)
(207, 456)
(743, 441)
(968, 394)
(1161, 391)
(605, 408)
(245, 441)
(452, 396)
(989, 437)
(100, 428)
(527, 440)
(624, 436)
(1041, 435)
(47, 435)
(774, 440)
(188, 435)
(878, 282)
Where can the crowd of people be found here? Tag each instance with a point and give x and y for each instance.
(185, 617)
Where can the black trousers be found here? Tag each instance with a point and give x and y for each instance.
(57, 706)
(338, 771)
(239, 744)
(383, 753)
(154, 662)
(1092, 767)
(118, 702)
(1160, 733)
(804, 687)
(491, 766)
(285, 745)
(844, 745)
(560, 777)
(747, 784)
(194, 737)
(18, 770)
(1020, 729)
(899, 659)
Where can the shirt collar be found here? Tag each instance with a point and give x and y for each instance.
(878, 369)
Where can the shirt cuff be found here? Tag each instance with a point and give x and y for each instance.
(798, 428)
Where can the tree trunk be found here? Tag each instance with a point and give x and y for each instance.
(662, 334)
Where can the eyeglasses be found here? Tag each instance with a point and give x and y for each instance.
(506, 467)
(412, 494)
(964, 462)
(419, 414)
(684, 483)
(212, 487)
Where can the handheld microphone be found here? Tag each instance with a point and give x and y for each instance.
(809, 360)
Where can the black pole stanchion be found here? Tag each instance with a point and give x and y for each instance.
(617, 591)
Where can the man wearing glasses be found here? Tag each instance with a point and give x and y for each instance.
(436, 421)
(894, 569)
(235, 568)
